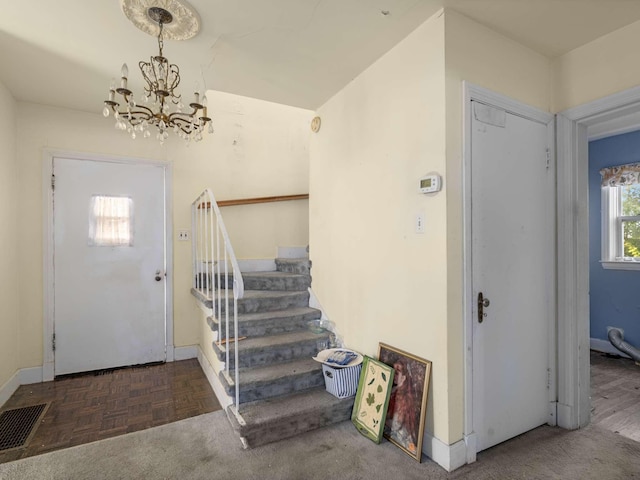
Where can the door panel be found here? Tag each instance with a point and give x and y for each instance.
(109, 308)
(512, 188)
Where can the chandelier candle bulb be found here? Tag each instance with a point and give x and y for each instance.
(125, 74)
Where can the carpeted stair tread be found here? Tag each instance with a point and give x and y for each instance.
(261, 351)
(268, 323)
(273, 341)
(283, 417)
(267, 300)
(251, 294)
(271, 373)
(261, 383)
(269, 413)
(206, 301)
(289, 312)
(273, 280)
(294, 265)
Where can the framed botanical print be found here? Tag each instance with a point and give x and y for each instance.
(404, 423)
(372, 398)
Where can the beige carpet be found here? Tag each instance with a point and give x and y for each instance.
(205, 447)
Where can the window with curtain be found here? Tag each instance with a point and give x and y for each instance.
(111, 221)
(621, 216)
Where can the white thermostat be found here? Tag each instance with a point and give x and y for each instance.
(430, 183)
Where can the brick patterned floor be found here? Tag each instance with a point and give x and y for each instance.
(93, 407)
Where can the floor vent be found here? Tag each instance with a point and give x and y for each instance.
(18, 425)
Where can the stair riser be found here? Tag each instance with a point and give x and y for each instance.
(267, 304)
(266, 327)
(289, 284)
(295, 425)
(282, 386)
(301, 267)
(271, 355)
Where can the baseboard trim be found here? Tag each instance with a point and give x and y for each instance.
(185, 353)
(448, 457)
(27, 376)
(605, 346)
(9, 387)
(214, 381)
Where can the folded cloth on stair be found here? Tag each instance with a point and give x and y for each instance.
(338, 357)
(341, 357)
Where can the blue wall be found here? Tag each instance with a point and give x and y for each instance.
(615, 294)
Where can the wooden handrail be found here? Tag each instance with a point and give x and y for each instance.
(249, 201)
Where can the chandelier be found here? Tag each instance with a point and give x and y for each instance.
(161, 107)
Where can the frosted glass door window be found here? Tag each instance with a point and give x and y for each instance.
(111, 221)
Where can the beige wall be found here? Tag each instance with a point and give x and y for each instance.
(605, 66)
(259, 148)
(9, 207)
(376, 278)
(480, 56)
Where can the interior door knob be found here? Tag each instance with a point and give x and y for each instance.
(158, 276)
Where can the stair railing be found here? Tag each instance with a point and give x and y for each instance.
(212, 256)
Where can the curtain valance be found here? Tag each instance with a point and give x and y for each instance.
(621, 175)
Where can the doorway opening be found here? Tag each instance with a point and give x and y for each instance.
(584, 258)
(614, 274)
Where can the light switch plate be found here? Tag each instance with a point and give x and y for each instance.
(183, 235)
(419, 222)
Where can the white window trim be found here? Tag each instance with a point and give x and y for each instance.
(611, 232)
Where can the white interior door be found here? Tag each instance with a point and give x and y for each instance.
(109, 264)
(512, 223)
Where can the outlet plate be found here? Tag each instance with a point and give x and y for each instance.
(184, 235)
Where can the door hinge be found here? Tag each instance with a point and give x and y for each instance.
(548, 158)
(53, 342)
(53, 182)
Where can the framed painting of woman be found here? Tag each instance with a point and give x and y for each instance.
(404, 424)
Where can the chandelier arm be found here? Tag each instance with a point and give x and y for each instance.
(147, 110)
(184, 114)
(134, 118)
(182, 127)
(182, 123)
(186, 118)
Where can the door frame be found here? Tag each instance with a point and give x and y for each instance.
(475, 93)
(48, 363)
(574, 406)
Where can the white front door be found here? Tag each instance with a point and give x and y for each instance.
(109, 264)
(512, 224)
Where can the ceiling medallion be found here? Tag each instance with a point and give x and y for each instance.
(185, 24)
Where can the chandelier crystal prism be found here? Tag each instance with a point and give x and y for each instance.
(161, 106)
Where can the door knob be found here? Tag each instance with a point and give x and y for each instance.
(482, 304)
(158, 276)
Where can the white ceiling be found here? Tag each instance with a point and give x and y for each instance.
(296, 52)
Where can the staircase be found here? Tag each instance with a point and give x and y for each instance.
(282, 389)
